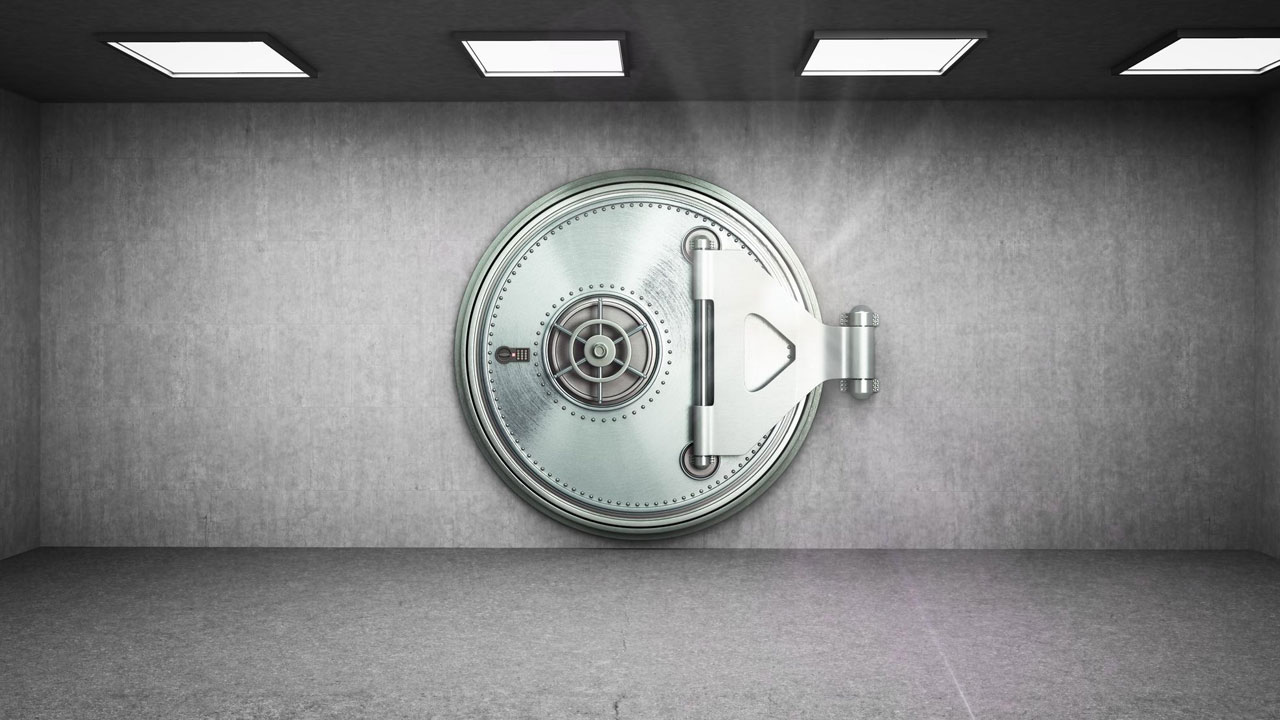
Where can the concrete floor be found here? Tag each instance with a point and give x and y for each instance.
(247, 633)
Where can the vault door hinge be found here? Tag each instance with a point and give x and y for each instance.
(732, 410)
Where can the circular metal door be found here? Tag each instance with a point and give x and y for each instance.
(574, 355)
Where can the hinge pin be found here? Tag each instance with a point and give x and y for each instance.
(861, 317)
(844, 322)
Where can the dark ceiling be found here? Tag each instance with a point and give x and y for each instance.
(680, 49)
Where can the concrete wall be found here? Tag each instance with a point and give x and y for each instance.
(248, 315)
(1268, 310)
(19, 324)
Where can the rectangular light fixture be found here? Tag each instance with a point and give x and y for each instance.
(211, 55)
(886, 52)
(547, 54)
(1207, 52)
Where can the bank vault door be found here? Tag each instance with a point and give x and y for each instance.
(638, 354)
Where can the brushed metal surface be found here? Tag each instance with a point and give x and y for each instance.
(613, 468)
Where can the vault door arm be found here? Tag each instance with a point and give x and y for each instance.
(730, 418)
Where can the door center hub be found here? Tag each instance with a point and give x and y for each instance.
(602, 351)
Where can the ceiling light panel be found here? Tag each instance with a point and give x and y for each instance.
(886, 53)
(546, 54)
(1207, 52)
(212, 55)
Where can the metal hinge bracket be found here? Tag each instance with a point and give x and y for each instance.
(732, 411)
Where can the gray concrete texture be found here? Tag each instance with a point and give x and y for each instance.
(248, 315)
(332, 633)
(19, 324)
(1268, 310)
